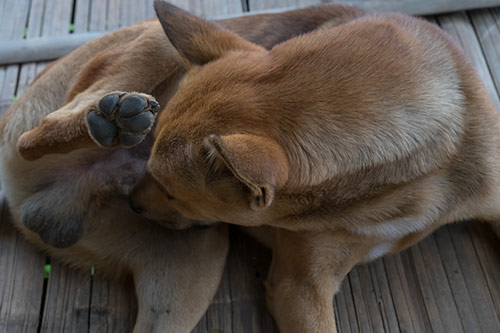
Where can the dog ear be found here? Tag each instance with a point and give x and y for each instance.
(259, 163)
(198, 40)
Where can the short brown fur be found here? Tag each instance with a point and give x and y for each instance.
(74, 181)
(352, 141)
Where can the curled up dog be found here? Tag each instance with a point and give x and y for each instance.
(67, 171)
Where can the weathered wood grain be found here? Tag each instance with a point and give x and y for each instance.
(21, 267)
(414, 7)
(52, 49)
(247, 267)
(342, 318)
(218, 316)
(488, 251)
(482, 303)
(81, 17)
(42, 49)
(459, 27)
(439, 302)
(21, 279)
(487, 27)
(113, 306)
(386, 303)
(67, 301)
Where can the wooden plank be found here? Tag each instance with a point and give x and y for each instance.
(98, 13)
(399, 290)
(362, 315)
(8, 79)
(456, 280)
(487, 27)
(113, 306)
(57, 17)
(67, 301)
(21, 267)
(42, 49)
(247, 263)
(82, 12)
(341, 315)
(218, 316)
(119, 14)
(439, 303)
(475, 281)
(368, 287)
(386, 303)
(349, 305)
(13, 17)
(414, 7)
(487, 246)
(150, 11)
(21, 279)
(459, 27)
(114, 21)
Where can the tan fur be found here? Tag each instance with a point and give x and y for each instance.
(353, 140)
(175, 273)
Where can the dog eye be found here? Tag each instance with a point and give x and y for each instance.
(169, 197)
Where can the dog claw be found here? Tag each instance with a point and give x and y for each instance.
(122, 119)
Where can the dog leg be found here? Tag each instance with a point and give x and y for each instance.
(116, 119)
(306, 271)
(175, 286)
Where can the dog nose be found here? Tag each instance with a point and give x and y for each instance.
(135, 206)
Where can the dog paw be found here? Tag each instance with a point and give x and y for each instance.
(122, 119)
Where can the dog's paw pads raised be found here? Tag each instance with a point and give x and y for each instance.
(122, 119)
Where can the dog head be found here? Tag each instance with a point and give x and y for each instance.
(211, 161)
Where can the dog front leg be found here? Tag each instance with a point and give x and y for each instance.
(109, 120)
(306, 271)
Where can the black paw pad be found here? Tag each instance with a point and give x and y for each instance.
(123, 119)
(108, 104)
(102, 129)
(139, 123)
(132, 105)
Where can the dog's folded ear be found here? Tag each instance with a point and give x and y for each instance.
(257, 162)
(198, 40)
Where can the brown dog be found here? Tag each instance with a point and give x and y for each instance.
(352, 141)
(74, 205)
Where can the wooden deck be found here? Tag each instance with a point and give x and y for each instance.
(450, 282)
